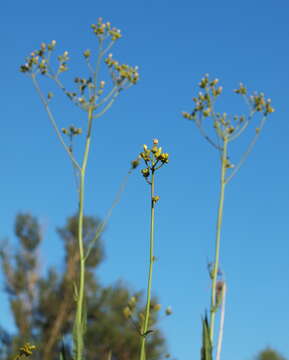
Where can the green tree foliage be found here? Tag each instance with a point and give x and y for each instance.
(269, 354)
(43, 306)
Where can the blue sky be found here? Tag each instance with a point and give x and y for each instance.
(174, 44)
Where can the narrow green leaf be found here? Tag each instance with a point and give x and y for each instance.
(63, 354)
(206, 350)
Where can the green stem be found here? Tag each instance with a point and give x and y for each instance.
(80, 298)
(53, 122)
(97, 66)
(149, 287)
(103, 224)
(107, 106)
(248, 151)
(218, 238)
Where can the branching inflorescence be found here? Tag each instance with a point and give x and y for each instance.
(226, 129)
(92, 97)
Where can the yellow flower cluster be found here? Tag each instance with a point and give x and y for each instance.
(260, 104)
(25, 350)
(38, 60)
(71, 131)
(204, 107)
(103, 30)
(122, 72)
(154, 158)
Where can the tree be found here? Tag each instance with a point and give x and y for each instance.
(43, 306)
(269, 354)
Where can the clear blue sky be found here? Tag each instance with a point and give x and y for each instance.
(174, 43)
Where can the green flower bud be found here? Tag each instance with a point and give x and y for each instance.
(186, 115)
(157, 307)
(154, 149)
(164, 158)
(63, 67)
(207, 112)
(230, 129)
(87, 53)
(242, 90)
(135, 163)
(51, 46)
(132, 301)
(169, 311)
(127, 312)
(155, 199)
(145, 172)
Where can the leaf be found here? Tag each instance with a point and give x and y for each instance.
(206, 350)
(63, 353)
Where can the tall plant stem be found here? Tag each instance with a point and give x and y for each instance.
(80, 298)
(218, 238)
(222, 320)
(149, 286)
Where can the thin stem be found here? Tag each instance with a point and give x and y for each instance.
(103, 224)
(80, 298)
(203, 132)
(97, 66)
(62, 87)
(218, 238)
(53, 122)
(108, 48)
(90, 68)
(222, 320)
(149, 287)
(104, 110)
(107, 97)
(243, 127)
(247, 152)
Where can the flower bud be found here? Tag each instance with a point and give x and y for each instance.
(169, 311)
(157, 307)
(154, 149)
(87, 53)
(127, 312)
(145, 172)
(135, 163)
